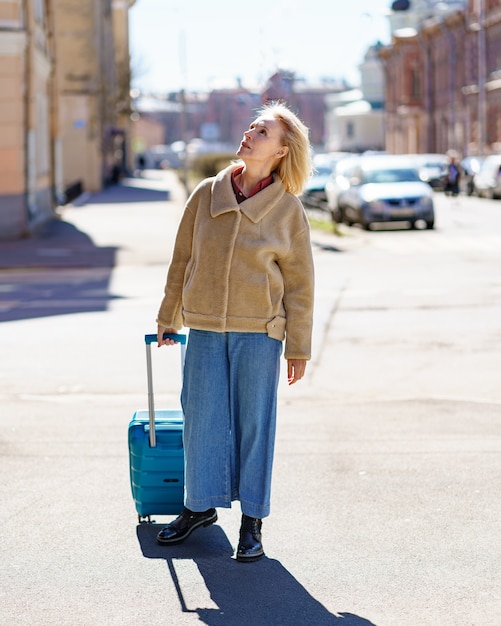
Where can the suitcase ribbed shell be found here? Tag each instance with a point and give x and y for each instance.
(157, 474)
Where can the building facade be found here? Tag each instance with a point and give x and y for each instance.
(92, 93)
(443, 82)
(26, 168)
(64, 112)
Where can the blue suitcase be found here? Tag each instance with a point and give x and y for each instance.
(156, 454)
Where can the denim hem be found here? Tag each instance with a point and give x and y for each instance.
(251, 509)
(208, 503)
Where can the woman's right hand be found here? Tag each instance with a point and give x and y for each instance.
(161, 330)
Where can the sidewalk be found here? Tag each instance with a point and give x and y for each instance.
(60, 244)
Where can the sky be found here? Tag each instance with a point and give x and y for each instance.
(199, 45)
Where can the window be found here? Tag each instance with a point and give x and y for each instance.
(39, 6)
(415, 84)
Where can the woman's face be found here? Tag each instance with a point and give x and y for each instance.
(263, 142)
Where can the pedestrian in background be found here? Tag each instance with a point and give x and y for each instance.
(241, 279)
(453, 174)
(141, 164)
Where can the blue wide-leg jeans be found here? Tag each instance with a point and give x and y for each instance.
(229, 400)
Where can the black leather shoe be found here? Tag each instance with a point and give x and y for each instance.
(185, 524)
(250, 547)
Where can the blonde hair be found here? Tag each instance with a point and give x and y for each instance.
(296, 166)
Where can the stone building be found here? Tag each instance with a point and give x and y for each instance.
(92, 92)
(26, 172)
(443, 81)
(64, 113)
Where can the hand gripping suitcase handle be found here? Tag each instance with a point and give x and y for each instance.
(149, 339)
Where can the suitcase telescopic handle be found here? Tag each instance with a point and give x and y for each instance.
(149, 339)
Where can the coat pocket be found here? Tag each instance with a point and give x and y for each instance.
(276, 328)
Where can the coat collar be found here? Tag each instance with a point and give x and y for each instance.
(255, 208)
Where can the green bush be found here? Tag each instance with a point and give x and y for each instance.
(209, 164)
(202, 166)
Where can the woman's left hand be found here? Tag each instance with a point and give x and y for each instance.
(295, 370)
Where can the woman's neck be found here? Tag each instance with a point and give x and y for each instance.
(247, 179)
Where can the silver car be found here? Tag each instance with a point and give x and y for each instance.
(336, 183)
(385, 189)
(487, 181)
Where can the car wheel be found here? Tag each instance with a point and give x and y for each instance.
(347, 220)
(337, 215)
(430, 224)
(343, 218)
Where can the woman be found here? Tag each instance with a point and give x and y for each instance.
(241, 279)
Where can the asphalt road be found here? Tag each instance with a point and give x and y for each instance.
(385, 506)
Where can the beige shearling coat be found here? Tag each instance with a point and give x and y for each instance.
(242, 267)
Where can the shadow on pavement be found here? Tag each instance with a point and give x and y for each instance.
(326, 247)
(263, 593)
(61, 271)
(129, 190)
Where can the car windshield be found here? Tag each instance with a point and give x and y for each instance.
(322, 170)
(400, 175)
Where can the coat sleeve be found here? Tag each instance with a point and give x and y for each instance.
(170, 313)
(298, 275)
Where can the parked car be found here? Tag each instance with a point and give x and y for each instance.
(469, 167)
(314, 194)
(487, 181)
(336, 183)
(385, 189)
(162, 157)
(433, 169)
